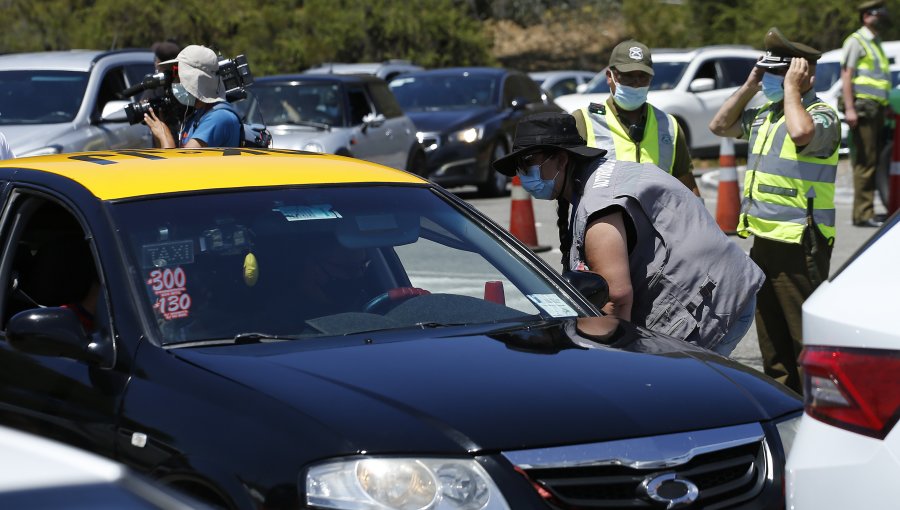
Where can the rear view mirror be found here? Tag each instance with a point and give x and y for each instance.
(377, 230)
(114, 111)
(591, 285)
(702, 85)
(56, 331)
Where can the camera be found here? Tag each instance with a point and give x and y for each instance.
(135, 111)
(236, 76)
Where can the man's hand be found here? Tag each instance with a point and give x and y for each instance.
(754, 79)
(797, 76)
(160, 130)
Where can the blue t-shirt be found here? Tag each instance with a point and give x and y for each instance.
(215, 127)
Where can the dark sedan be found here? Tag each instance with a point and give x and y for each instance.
(266, 329)
(466, 119)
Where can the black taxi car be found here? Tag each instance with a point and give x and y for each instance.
(272, 329)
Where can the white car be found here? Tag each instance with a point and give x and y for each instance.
(387, 70)
(561, 83)
(691, 85)
(38, 473)
(846, 453)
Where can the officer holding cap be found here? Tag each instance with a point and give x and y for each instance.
(788, 203)
(866, 83)
(627, 126)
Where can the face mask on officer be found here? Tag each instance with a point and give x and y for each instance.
(629, 98)
(182, 95)
(773, 87)
(533, 183)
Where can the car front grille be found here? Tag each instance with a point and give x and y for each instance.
(726, 468)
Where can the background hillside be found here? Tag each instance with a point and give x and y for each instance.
(290, 35)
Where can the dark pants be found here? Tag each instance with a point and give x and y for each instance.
(779, 317)
(866, 145)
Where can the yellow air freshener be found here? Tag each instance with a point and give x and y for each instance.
(251, 270)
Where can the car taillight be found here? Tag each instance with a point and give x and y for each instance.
(854, 389)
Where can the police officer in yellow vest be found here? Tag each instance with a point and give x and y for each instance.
(627, 126)
(866, 82)
(788, 203)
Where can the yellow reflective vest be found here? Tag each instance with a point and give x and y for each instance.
(605, 131)
(873, 75)
(778, 181)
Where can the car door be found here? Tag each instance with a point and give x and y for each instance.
(724, 71)
(46, 259)
(400, 131)
(371, 139)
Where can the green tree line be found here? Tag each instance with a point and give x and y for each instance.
(291, 35)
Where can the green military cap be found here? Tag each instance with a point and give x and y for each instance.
(780, 51)
(870, 5)
(630, 56)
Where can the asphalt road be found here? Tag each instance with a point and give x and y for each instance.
(849, 237)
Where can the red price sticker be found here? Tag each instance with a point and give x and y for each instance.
(169, 285)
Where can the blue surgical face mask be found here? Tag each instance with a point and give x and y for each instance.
(182, 95)
(541, 189)
(773, 87)
(630, 98)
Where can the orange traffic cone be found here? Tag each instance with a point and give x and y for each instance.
(521, 218)
(728, 205)
(894, 182)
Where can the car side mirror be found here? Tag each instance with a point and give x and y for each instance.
(56, 331)
(581, 88)
(591, 285)
(114, 111)
(702, 85)
(519, 103)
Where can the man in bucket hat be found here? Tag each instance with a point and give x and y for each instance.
(668, 264)
(196, 85)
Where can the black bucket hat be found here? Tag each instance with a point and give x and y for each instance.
(541, 131)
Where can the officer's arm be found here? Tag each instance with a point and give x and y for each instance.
(727, 121)
(606, 251)
(850, 115)
(799, 122)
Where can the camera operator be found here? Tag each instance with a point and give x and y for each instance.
(196, 84)
(174, 114)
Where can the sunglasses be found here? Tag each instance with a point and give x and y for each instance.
(530, 159)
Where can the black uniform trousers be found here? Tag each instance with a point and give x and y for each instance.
(791, 277)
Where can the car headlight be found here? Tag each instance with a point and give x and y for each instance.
(787, 430)
(473, 134)
(313, 147)
(43, 151)
(402, 484)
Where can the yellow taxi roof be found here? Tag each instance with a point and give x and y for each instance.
(113, 175)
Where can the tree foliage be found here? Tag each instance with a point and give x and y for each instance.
(290, 35)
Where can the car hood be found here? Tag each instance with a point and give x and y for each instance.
(446, 121)
(522, 387)
(23, 138)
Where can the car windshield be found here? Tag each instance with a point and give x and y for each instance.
(827, 74)
(665, 77)
(445, 91)
(40, 97)
(294, 103)
(323, 261)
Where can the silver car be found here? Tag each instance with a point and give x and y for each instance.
(67, 101)
(347, 115)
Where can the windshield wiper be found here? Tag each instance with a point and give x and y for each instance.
(255, 338)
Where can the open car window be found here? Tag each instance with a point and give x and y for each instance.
(319, 261)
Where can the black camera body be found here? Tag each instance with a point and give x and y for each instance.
(235, 74)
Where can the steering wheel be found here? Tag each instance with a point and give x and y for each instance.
(392, 298)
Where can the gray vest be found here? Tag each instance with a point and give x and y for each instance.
(689, 280)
